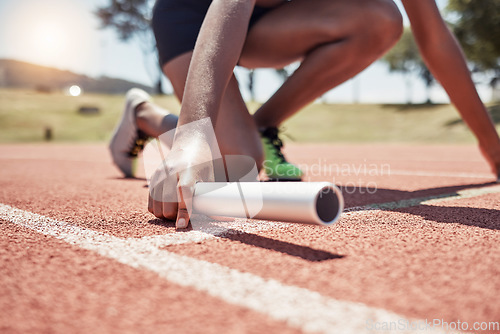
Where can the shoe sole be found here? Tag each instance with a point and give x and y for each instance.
(283, 180)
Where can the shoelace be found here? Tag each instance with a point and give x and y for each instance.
(138, 144)
(275, 141)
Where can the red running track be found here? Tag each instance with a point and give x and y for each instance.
(432, 253)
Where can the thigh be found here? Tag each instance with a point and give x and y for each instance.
(288, 32)
(176, 24)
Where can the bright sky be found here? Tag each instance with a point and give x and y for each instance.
(65, 34)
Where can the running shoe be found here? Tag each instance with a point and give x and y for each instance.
(275, 164)
(128, 141)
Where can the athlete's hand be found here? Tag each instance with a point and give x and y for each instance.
(172, 185)
(493, 158)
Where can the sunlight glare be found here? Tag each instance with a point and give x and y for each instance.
(75, 90)
(49, 39)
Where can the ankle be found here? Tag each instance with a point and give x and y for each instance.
(153, 120)
(268, 129)
(142, 114)
(263, 124)
(141, 108)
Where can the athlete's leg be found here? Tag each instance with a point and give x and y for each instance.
(153, 120)
(335, 39)
(235, 129)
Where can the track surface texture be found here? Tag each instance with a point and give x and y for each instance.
(418, 243)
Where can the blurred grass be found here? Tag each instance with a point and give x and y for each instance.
(358, 123)
(24, 115)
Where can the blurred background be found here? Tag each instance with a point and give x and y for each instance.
(65, 65)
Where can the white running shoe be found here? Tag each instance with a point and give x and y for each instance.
(127, 140)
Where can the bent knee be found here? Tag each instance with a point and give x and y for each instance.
(386, 23)
(375, 25)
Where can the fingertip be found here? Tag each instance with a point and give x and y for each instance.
(181, 223)
(182, 219)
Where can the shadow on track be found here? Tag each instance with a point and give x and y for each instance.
(357, 196)
(482, 218)
(303, 252)
(479, 217)
(122, 178)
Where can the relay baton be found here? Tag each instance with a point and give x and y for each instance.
(319, 203)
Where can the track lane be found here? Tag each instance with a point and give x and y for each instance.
(355, 253)
(51, 286)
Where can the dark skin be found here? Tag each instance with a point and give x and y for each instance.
(211, 68)
(445, 59)
(333, 39)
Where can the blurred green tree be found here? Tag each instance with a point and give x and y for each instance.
(131, 19)
(405, 57)
(476, 23)
(128, 17)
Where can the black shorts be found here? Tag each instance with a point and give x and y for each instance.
(176, 24)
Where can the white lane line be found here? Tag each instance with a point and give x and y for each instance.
(429, 200)
(441, 174)
(175, 238)
(208, 230)
(300, 308)
(396, 172)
